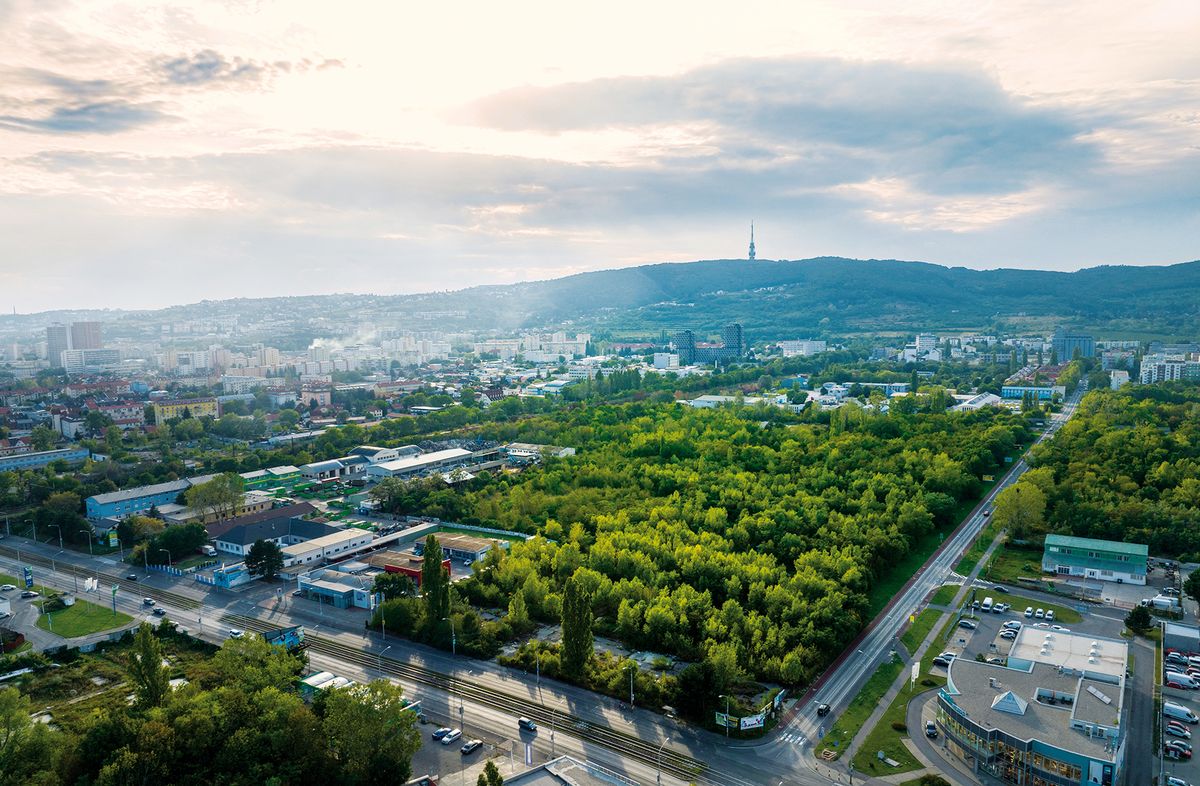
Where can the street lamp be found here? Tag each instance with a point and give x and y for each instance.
(168, 553)
(60, 540)
(725, 696)
(553, 723)
(90, 535)
(453, 636)
(381, 652)
(658, 762)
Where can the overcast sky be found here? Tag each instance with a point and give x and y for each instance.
(156, 153)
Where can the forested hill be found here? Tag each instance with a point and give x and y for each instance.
(845, 295)
(826, 296)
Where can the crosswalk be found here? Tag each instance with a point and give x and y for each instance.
(794, 738)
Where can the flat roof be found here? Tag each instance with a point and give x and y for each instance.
(137, 492)
(979, 688)
(1075, 651)
(1117, 546)
(411, 462)
(332, 539)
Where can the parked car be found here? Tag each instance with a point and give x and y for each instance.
(940, 661)
(1180, 744)
(1009, 634)
(1049, 615)
(1179, 748)
(29, 594)
(7, 587)
(1012, 625)
(1029, 611)
(1178, 729)
(472, 746)
(975, 605)
(1173, 781)
(931, 730)
(967, 624)
(451, 736)
(1040, 614)
(527, 725)
(441, 732)
(1060, 629)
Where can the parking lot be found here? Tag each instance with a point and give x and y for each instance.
(451, 765)
(1188, 770)
(985, 638)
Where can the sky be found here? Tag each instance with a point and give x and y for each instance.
(154, 153)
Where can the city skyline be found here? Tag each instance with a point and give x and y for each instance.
(165, 154)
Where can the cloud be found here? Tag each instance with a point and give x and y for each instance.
(949, 129)
(64, 105)
(209, 66)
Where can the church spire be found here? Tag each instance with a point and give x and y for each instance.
(751, 257)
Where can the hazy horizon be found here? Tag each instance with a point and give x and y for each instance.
(168, 153)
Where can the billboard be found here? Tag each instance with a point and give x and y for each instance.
(726, 720)
(754, 721)
(112, 539)
(28, 575)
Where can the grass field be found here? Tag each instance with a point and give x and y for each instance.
(945, 595)
(1010, 562)
(933, 651)
(1062, 614)
(861, 707)
(916, 633)
(889, 738)
(81, 619)
(972, 555)
(20, 583)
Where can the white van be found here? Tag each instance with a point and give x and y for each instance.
(1176, 679)
(1179, 712)
(987, 604)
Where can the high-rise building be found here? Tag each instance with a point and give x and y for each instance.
(58, 340)
(1065, 344)
(685, 345)
(734, 339)
(86, 335)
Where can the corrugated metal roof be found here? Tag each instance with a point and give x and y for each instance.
(1095, 544)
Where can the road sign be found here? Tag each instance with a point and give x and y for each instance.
(28, 573)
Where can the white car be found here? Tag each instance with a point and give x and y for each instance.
(1040, 614)
(1008, 634)
(453, 735)
(7, 587)
(234, 633)
(1049, 615)
(1029, 611)
(1012, 625)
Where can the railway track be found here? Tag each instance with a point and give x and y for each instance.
(672, 762)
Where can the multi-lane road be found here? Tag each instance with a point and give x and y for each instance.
(639, 744)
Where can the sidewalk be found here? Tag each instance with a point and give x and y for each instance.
(902, 680)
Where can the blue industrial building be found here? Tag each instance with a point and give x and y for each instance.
(119, 504)
(42, 458)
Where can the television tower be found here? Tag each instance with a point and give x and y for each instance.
(751, 257)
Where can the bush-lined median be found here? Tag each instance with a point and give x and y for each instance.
(860, 708)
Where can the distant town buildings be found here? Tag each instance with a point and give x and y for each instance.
(733, 345)
(802, 348)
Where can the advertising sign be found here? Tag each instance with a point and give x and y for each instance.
(28, 573)
(754, 721)
(726, 720)
(779, 698)
(112, 538)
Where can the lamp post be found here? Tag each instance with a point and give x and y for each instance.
(168, 553)
(90, 535)
(632, 668)
(453, 636)
(554, 723)
(381, 652)
(658, 761)
(60, 540)
(33, 523)
(725, 696)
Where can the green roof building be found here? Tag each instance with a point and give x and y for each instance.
(1101, 560)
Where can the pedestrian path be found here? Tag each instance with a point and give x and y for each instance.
(902, 680)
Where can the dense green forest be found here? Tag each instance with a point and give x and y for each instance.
(1127, 467)
(710, 533)
(235, 719)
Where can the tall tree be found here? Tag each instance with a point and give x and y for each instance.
(27, 750)
(435, 585)
(392, 585)
(1191, 587)
(265, 559)
(1138, 620)
(1021, 509)
(371, 734)
(222, 496)
(151, 680)
(577, 641)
